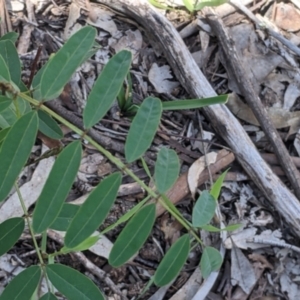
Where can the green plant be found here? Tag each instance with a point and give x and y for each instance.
(191, 5)
(23, 113)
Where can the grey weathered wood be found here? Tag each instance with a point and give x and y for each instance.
(224, 123)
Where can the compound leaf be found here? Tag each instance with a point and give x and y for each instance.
(133, 236)
(173, 261)
(23, 285)
(15, 151)
(61, 67)
(204, 209)
(10, 231)
(143, 128)
(57, 187)
(166, 169)
(72, 283)
(106, 88)
(211, 260)
(93, 211)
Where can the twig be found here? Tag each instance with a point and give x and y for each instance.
(273, 243)
(272, 159)
(34, 65)
(253, 100)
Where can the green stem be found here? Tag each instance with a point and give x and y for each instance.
(44, 241)
(29, 225)
(114, 160)
(37, 249)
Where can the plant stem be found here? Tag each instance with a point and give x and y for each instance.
(32, 234)
(29, 225)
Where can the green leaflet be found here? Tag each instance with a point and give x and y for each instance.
(173, 261)
(4, 71)
(159, 5)
(10, 36)
(85, 245)
(48, 126)
(143, 128)
(211, 260)
(216, 188)
(48, 296)
(57, 187)
(127, 216)
(10, 231)
(36, 82)
(133, 236)
(65, 217)
(193, 103)
(106, 88)
(15, 151)
(204, 209)
(93, 211)
(5, 102)
(3, 134)
(189, 4)
(212, 228)
(23, 285)
(209, 3)
(166, 169)
(10, 55)
(11, 114)
(61, 67)
(72, 283)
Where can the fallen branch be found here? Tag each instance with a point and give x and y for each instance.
(234, 63)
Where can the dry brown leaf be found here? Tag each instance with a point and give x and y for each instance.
(242, 272)
(158, 76)
(280, 117)
(197, 168)
(262, 259)
(102, 18)
(287, 17)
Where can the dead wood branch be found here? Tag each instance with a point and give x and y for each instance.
(226, 125)
(235, 64)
